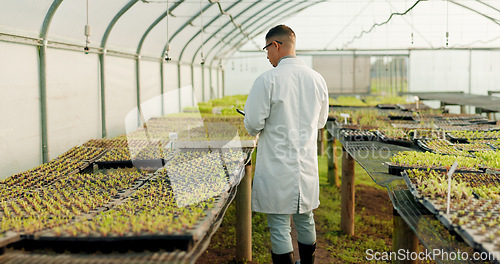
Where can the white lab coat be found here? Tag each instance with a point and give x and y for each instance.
(287, 105)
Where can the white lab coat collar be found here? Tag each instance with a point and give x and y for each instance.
(286, 57)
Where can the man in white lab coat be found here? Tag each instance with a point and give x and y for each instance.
(287, 105)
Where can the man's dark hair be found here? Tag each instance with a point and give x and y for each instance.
(280, 30)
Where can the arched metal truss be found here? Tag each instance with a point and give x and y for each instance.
(229, 25)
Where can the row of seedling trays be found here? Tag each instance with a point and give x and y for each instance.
(483, 161)
(437, 141)
(474, 205)
(181, 197)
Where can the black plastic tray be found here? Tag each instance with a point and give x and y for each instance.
(399, 142)
(455, 139)
(9, 238)
(141, 164)
(366, 136)
(397, 170)
(388, 106)
(401, 117)
(182, 240)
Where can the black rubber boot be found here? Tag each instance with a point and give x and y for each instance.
(306, 253)
(286, 258)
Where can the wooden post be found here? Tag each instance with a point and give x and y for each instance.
(491, 116)
(463, 109)
(331, 153)
(403, 238)
(443, 105)
(244, 217)
(347, 191)
(321, 140)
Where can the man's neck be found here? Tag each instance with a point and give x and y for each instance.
(286, 57)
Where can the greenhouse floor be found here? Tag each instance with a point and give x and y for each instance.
(373, 226)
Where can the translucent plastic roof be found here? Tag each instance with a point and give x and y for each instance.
(401, 24)
(219, 28)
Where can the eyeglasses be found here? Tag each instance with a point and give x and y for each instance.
(265, 47)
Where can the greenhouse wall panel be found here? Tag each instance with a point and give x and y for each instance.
(197, 84)
(218, 83)
(186, 94)
(242, 71)
(170, 88)
(206, 81)
(170, 77)
(171, 102)
(121, 96)
(150, 88)
(486, 71)
(72, 99)
(185, 75)
(439, 71)
(150, 80)
(19, 109)
(213, 82)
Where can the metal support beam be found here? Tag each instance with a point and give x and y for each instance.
(192, 85)
(223, 76)
(179, 84)
(222, 12)
(211, 90)
(353, 71)
(181, 28)
(139, 51)
(218, 83)
(102, 61)
(262, 13)
(42, 52)
(203, 83)
(138, 90)
(162, 88)
(470, 71)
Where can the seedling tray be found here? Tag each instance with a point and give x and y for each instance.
(470, 237)
(490, 247)
(456, 139)
(9, 238)
(401, 117)
(429, 204)
(398, 169)
(176, 240)
(180, 241)
(446, 221)
(140, 164)
(465, 140)
(387, 106)
(483, 122)
(400, 142)
(358, 135)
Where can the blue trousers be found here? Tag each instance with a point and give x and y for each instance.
(279, 228)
